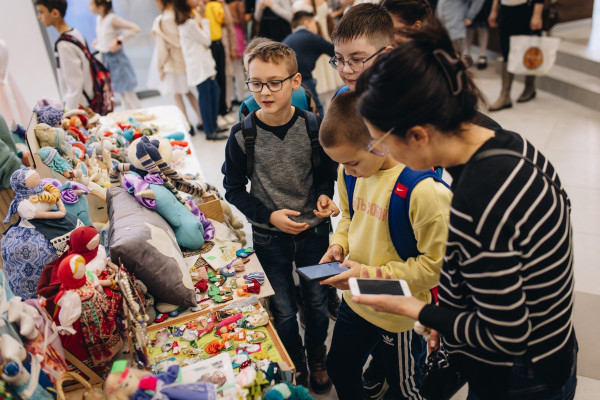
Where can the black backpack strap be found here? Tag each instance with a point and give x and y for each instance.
(312, 128)
(249, 133)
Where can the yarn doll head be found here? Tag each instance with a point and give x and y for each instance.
(24, 182)
(71, 272)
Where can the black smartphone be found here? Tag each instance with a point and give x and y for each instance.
(321, 271)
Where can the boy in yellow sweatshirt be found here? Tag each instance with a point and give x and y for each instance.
(365, 239)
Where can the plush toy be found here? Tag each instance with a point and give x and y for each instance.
(54, 138)
(122, 385)
(150, 192)
(56, 163)
(41, 234)
(72, 195)
(49, 115)
(95, 312)
(19, 368)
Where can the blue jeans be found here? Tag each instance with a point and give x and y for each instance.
(277, 252)
(354, 338)
(208, 100)
(311, 84)
(527, 384)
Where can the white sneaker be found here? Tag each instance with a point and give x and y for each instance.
(231, 118)
(222, 122)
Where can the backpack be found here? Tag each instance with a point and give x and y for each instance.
(319, 159)
(102, 100)
(308, 104)
(403, 237)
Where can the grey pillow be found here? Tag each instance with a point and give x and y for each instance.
(145, 243)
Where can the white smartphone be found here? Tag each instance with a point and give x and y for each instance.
(373, 287)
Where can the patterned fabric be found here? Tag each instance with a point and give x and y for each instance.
(57, 231)
(99, 326)
(22, 192)
(25, 252)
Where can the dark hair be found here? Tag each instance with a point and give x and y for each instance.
(183, 11)
(165, 3)
(408, 11)
(60, 5)
(299, 18)
(342, 123)
(107, 4)
(367, 19)
(420, 82)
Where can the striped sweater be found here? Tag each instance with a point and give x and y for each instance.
(506, 288)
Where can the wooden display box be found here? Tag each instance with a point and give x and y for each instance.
(212, 208)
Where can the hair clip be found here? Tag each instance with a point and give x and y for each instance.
(454, 70)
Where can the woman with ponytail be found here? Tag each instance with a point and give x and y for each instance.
(506, 289)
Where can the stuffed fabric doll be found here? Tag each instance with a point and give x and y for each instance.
(90, 312)
(151, 193)
(54, 138)
(72, 195)
(56, 163)
(39, 237)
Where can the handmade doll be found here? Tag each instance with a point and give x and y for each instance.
(55, 138)
(39, 237)
(56, 163)
(19, 368)
(90, 312)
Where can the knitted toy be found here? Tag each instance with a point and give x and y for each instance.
(54, 138)
(122, 385)
(19, 368)
(90, 312)
(56, 163)
(283, 391)
(49, 115)
(39, 237)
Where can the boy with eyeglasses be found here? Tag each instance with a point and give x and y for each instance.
(370, 184)
(362, 34)
(276, 148)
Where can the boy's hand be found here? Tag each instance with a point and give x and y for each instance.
(281, 220)
(335, 252)
(340, 281)
(326, 207)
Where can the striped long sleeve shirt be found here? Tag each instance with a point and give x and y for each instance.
(506, 288)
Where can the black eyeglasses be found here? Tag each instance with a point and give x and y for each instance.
(274, 85)
(356, 64)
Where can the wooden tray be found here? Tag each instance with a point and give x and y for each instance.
(269, 329)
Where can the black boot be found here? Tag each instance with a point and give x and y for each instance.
(319, 379)
(301, 373)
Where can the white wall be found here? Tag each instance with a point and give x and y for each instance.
(28, 62)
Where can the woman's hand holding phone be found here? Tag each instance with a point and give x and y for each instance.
(341, 281)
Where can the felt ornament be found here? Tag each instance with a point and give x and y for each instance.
(258, 276)
(121, 385)
(37, 239)
(201, 285)
(202, 273)
(257, 318)
(254, 286)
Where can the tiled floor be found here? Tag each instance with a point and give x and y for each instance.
(569, 135)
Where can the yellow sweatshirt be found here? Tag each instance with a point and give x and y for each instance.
(366, 238)
(216, 16)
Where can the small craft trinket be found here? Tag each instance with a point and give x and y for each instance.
(255, 336)
(175, 348)
(238, 359)
(243, 253)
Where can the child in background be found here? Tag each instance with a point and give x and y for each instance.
(111, 32)
(215, 14)
(274, 17)
(478, 21)
(289, 201)
(406, 14)
(365, 238)
(171, 64)
(238, 11)
(194, 34)
(73, 68)
(308, 46)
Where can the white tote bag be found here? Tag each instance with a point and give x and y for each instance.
(532, 55)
